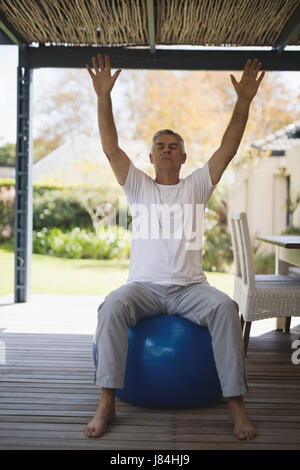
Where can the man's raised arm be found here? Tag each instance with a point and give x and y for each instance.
(246, 89)
(103, 83)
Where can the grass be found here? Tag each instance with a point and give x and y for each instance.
(50, 275)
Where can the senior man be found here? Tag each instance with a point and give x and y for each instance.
(165, 273)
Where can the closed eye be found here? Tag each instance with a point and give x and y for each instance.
(171, 146)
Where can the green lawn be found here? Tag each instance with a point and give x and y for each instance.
(52, 275)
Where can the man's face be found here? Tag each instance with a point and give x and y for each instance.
(167, 153)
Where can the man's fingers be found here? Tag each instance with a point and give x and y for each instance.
(255, 70)
(98, 64)
(95, 64)
(247, 67)
(257, 67)
(90, 71)
(107, 64)
(116, 74)
(252, 67)
(101, 62)
(260, 77)
(233, 80)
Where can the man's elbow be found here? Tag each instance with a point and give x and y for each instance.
(229, 152)
(231, 155)
(108, 155)
(109, 152)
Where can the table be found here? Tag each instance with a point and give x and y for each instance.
(287, 254)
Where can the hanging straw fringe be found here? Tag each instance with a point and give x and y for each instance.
(124, 22)
(223, 22)
(79, 22)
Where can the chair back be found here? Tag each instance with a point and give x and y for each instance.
(244, 250)
(235, 245)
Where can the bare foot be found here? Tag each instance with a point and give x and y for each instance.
(242, 426)
(98, 424)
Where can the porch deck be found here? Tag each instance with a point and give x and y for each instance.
(47, 393)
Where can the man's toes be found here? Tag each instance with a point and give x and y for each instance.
(88, 431)
(245, 435)
(97, 433)
(93, 431)
(242, 435)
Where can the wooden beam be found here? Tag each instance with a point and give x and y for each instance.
(291, 28)
(23, 199)
(8, 30)
(151, 24)
(5, 40)
(164, 59)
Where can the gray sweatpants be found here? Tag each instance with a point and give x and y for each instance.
(200, 303)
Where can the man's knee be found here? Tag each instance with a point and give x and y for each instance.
(224, 306)
(117, 304)
(230, 306)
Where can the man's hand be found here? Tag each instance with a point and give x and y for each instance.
(103, 82)
(247, 88)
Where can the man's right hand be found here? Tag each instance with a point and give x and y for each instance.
(103, 82)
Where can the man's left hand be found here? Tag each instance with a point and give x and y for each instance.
(247, 87)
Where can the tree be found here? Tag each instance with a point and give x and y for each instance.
(64, 107)
(7, 155)
(94, 188)
(198, 105)
(42, 146)
(292, 204)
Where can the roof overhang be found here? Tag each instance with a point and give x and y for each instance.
(133, 32)
(168, 59)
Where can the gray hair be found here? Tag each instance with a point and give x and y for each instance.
(167, 131)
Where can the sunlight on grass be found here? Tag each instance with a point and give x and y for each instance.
(222, 281)
(52, 275)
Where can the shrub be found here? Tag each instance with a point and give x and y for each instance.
(217, 249)
(291, 230)
(58, 208)
(52, 207)
(80, 243)
(7, 201)
(55, 206)
(217, 252)
(264, 263)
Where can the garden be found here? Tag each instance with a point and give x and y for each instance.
(78, 248)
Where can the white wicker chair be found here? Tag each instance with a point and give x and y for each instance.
(259, 296)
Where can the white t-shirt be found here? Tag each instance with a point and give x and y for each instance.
(167, 227)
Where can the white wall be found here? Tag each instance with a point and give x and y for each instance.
(260, 190)
(293, 169)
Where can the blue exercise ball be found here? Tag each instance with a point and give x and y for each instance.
(170, 364)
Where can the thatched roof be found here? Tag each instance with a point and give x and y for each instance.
(126, 22)
(281, 140)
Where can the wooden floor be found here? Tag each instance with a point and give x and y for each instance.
(47, 395)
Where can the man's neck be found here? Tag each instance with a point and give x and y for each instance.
(167, 179)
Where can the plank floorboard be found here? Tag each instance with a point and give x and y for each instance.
(47, 395)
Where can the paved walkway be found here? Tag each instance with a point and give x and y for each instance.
(79, 315)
